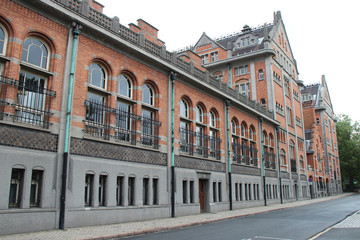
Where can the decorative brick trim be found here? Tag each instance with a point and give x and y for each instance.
(199, 164)
(27, 138)
(245, 170)
(91, 148)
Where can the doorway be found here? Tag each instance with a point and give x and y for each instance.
(203, 196)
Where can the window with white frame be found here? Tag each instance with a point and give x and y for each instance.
(123, 108)
(214, 56)
(205, 59)
(214, 140)
(244, 88)
(148, 115)
(3, 40)
(32, 88)
(261, 74)
(184, 126)
(96, 100)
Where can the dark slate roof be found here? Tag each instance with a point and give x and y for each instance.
(259, 32)
(311, 89)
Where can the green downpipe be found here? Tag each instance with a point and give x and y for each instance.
(228, 151)
(172, 78)
(278, 154)
(263, 158)
(76, 32)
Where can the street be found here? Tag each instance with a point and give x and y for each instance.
(294, 223)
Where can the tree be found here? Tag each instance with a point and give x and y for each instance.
(348, 137)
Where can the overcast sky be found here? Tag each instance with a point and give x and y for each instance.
(324, 35)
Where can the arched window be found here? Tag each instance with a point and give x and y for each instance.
(184, 126)
(184, 109)
(124, 118)
(32, 90)
(212, 119)
(233, 127)
(35, 52)
(147, 95)
(263, 102)
(149, 126)
(283, 157)
(302, 165)
(214, 137)
(3, 40)
(243, 130)
(252, 133)
(124, 86)
(253, 150)
(199, 114)
(96, 101)
(97, 75)
(261, 74)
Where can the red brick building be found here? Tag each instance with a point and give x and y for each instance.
(321, 142)
(100, 124)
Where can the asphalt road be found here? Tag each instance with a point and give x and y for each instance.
(294, 223)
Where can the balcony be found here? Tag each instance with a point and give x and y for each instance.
(269, 159)
(244, 154)
(195, 143)
(32, 104)
(129, 128)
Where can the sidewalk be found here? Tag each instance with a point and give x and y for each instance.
(135, 228)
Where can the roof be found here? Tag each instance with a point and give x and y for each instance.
(311, 89)
(259, 32)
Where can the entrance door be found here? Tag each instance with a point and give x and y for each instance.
(202, 194)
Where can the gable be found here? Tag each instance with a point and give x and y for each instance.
(205, 43)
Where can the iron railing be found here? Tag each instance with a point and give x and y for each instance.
(195, 143)
(33, 100)
(99, 116)
(244, 154)
(269, 158)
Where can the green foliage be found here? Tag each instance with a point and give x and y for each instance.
(348, 137)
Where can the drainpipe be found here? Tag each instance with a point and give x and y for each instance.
(172, 78)
(228, 151)
(278, 154)
(262, 158)
(76, 32)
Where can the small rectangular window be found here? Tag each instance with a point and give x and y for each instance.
(246, 191)
(89, 184)
(184, 189)
(236, 192)
(131, 191)
(254, 187)
(155, 191)
(145, 191)
(219, 192)
(16, 188)
(102, 190)
(120, 191)
(214, 192)
(249, 185)
(192, 192)
(240, 192)
(35, 190)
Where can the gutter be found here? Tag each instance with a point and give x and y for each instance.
(76, 32)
